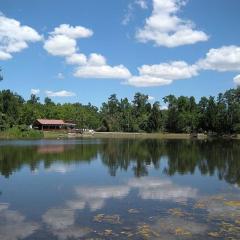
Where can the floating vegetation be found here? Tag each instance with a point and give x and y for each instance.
(146, 231)
(232, 203)
(132, 210)
(177, 212)
(112, 219)
(127, 232)
(108, 233)
(179, 227)
(182, 232)
(214, 234)
(229, 229)
(200, 204)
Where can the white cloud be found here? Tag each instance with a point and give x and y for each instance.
(165, 28)
(14, 37)
(62, 41)
(237, 80)
(147, 81)
(72, 32)
(162, 74)
(174, 70)
(60, 45)
(35, 91)
(104, 71)
(164, 107)
(151, 98)
(77, 59)
(62, 93)
(4, 55)
(96, 59)
(226, 58)
(95, 66)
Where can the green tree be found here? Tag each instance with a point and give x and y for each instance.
(155, 118)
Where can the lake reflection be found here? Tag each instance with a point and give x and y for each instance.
(119, 189)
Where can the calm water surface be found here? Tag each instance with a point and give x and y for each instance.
(119, 189)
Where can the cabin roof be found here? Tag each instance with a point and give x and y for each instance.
(51, 122)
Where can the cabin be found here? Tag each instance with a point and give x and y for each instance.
(53, 125)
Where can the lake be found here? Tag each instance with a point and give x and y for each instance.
(119, 189)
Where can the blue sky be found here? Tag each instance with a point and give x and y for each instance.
(86, 50)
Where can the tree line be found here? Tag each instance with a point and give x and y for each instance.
(220, 115)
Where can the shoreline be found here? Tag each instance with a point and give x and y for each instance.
(122, 135)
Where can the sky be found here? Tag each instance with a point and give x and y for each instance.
(84, 51)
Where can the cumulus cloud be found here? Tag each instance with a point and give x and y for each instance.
(174, 70)
(164, 107)
(62, 93)
(62, 41)
(147, 81)
(95, 66)
(72, 32)
(15, 37)
(151, 98)
(165, 28)
(60, 45)
(237, 80)
(5, 55)
(77, 59)
(35, 91)
(162, 74)
(226, 58)
(96, 59)
(102, 71)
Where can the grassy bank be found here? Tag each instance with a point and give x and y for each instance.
(15, 133)
(141, 135)
(56, 135)
(18, 133)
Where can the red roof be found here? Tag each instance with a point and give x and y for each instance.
(51, 122)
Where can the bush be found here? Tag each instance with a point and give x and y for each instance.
(21, 132)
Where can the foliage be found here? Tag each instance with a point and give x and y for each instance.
(219, 115)
(1, 76)
(20, 132)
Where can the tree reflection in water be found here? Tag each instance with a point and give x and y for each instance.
(183, 156)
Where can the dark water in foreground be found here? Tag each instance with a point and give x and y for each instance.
(119, 189)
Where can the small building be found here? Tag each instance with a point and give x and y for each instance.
(53, 124)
